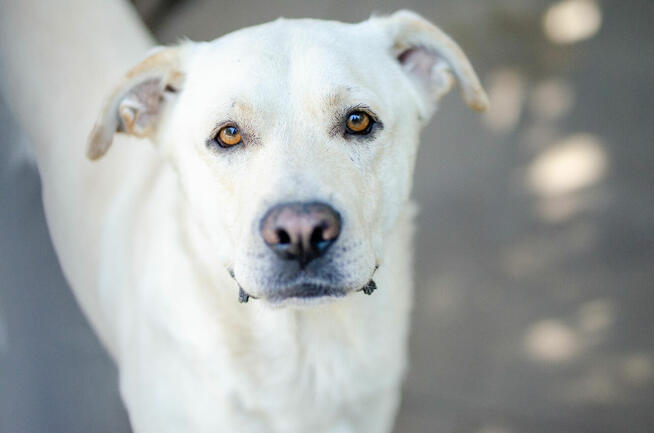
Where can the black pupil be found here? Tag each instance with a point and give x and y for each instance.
(230, 130)
(356, 118)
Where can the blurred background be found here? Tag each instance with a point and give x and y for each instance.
(535, 255)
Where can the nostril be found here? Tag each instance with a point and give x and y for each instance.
(321, 238)
(317, 238)
(282, 237)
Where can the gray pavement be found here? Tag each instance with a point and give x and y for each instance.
(535, 254)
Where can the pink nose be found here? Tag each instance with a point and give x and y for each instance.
(300, 231)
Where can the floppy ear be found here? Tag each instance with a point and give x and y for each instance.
(135, 106)
(433, 59)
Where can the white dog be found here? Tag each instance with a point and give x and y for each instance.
(226, 266)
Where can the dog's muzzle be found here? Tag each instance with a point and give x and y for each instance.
(300, 234)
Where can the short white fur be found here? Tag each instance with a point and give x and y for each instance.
(161, 225)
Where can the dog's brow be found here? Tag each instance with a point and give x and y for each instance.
(242, 109)
(337, 98)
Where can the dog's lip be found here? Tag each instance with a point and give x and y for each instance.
(302, 290)
(307, 291)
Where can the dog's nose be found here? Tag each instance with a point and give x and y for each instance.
(300, 231)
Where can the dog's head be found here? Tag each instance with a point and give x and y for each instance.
(294, 141)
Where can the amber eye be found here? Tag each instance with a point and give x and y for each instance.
(358, 122)
(228, 136)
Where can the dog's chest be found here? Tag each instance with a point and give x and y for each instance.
(269, 370)
(315, 367)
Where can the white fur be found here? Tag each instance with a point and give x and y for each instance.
(146, 234)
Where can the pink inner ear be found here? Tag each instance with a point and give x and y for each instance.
(140, 107)
(418, 61)
(428, 68)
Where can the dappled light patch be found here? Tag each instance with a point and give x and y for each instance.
(506, 92)
(559, 340)
(572, 21)
(596, 316)
(552, 341)
(577, 342)
(564, 168)
(575, 162)
(638, 368)
(562, 176)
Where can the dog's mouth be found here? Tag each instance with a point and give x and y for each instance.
(306, 292)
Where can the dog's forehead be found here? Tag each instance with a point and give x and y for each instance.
(311, 57)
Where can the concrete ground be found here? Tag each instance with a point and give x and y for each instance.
(535, 254)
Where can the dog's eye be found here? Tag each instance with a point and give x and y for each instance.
(228, 136)
(359, 123)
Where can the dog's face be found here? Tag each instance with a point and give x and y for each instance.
(294, 141)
